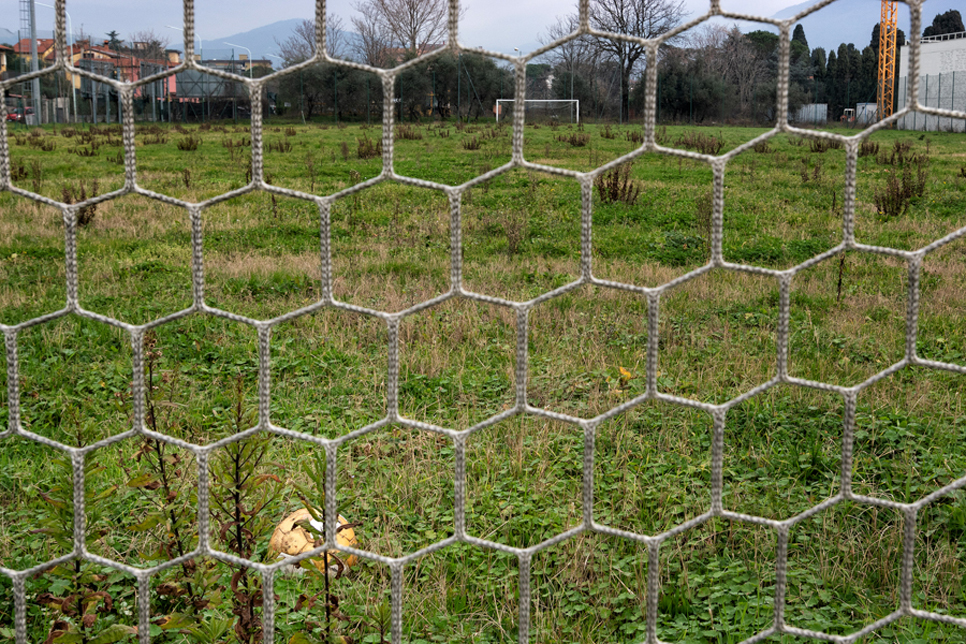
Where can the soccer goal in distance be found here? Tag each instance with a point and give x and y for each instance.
(565, 110)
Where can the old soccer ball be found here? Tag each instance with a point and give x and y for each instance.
(292, 538)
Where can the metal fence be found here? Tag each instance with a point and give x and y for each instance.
(944, 91)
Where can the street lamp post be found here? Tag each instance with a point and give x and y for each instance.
(249, 57)
(34, 67)
(276, 95)
(201, 49)
(301, 89)
(70, 40)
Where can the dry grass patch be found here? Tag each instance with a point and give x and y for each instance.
(27, 219)
(136, 217)
(640, 273)
(250, 264)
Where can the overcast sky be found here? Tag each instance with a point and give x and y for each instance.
(499, 25)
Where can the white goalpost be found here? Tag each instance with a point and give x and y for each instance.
(551, 108)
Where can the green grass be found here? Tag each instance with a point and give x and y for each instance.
(587, 354)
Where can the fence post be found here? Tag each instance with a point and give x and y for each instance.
(939, 103)
(915, 115)
(952, 101)
(925, 125)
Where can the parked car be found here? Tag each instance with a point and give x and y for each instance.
(18, 114)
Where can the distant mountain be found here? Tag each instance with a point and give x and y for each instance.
(8, 37)
(262, 41)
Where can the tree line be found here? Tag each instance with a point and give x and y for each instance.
(714, 73)
(388, 32)
(721, 74)
(709, 74)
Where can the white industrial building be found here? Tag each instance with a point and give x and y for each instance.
(942, 82)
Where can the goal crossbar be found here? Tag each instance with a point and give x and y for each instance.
(575, 102)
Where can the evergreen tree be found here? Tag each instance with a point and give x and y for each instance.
(868, 76)
(950, 22)
(561, 88)
(765, 42)
(688, 90)
(831, 86)
(818, 63)
(799, 36)
(900, 38)
(113, 42)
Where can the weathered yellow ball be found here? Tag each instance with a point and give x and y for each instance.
(290, 539)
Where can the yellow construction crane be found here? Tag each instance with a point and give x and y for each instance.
(887, 59)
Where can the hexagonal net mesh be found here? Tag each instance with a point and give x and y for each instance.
(715, 508)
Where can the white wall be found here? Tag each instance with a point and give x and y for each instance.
(942, 83)
(936, 57)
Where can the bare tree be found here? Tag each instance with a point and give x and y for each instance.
(709, 43)
(744, 65)
(572, 54)
(640, 18)
(581, 68)
(301, 44)
(413, 25)
(373, 42)
(148, 44)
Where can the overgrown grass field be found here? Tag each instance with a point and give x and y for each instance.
(521, 236)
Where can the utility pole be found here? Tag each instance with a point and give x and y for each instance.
(28, 14)
(234, 99)
(234, 87)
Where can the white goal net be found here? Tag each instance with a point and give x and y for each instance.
(539, 110)
(587, 504)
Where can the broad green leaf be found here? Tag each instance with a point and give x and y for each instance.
(106, 493)
(113, 633)
(176, 620)
(301, 638)
(142, 481)
(57, 503)
(150, 521)
(70, 637)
